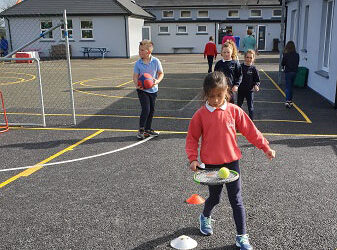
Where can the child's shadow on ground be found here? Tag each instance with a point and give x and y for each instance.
(189, 231)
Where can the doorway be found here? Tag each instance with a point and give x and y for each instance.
(261, 40)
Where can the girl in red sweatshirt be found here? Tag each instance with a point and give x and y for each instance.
(216, 123)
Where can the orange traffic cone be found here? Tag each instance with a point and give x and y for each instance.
(195, 199)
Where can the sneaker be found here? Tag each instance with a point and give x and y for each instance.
(242, 241)
(205, 225)
(141, 134)
(151, 132)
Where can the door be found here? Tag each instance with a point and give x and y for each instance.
(146, 33)
(261, 41)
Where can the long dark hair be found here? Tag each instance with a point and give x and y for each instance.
(215, 80)
(290, 47)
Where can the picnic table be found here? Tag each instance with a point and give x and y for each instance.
(93, 50)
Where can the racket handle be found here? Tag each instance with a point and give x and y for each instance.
(201, 167)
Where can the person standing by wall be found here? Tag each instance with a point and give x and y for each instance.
(249, 42)
(3, 47)
(228, 36)
(290, 63)
(210, 52)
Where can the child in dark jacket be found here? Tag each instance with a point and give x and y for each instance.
(290, 62)
(230, 67)
(250, 82)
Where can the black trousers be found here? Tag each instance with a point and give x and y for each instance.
(234, 197)
(249, 95)
(210, 63)
(147, 101)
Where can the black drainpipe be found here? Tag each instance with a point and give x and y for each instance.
(10, 34)
(126, 39)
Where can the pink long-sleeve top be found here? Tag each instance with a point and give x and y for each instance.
(217, 129)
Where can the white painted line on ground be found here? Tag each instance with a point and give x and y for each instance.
(78, 159)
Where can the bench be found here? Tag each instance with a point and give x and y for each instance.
(59, 51)
(90, 50)
(189, 49)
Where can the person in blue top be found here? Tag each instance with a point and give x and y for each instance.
(249, 42)
(3, 46)
(147, 97)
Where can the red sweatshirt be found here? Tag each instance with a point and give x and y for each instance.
(210, 49)
(217, 130)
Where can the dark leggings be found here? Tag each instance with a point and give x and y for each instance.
(234, 197)
(249, 95)
(147, 101)
(210, 63)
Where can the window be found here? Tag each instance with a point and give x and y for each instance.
(46, 25)
(168, 14)
(181, 29)
(293, 25)
(87, 30)
(233, 13)
(277, 13)
(255, 13)
(202, 29)
(163, 29)
(305, 28)
(327, 26)
(185, 14)
(70, 29)
(203, 14)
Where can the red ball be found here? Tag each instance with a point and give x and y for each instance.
(145, 81)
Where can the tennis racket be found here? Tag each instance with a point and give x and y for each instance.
(210, 176)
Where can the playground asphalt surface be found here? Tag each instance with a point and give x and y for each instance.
(134, 198)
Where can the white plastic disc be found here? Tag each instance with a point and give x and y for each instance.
(183, 242)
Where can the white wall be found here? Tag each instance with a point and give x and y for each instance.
(312, 58)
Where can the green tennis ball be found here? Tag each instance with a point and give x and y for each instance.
(223, 173)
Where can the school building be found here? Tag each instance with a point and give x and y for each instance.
(185, 26)
(312, 25)
(177, 26)
(112, 24)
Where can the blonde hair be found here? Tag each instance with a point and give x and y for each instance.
(250, 51)
(148, 44)
(231, 45)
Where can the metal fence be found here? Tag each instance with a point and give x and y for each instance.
(35, 77)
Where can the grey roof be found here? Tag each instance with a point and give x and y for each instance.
(77, 7)
(204, 3)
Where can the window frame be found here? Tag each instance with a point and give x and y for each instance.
(277, 15)
(43, 30)
(162, 26)
(238, 16)
(178, 32)
(250, 13)
(326, 52)
(202, 32)
(305, 28)
(69, 30)
(163, 17)
(185, 11)
(87, 29)
(198, 16)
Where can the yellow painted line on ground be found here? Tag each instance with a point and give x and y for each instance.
(124, 84)
(161, 131)
(295, 106)
(137, 116)
(132, 98)
(21, 81)
(30, 171)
